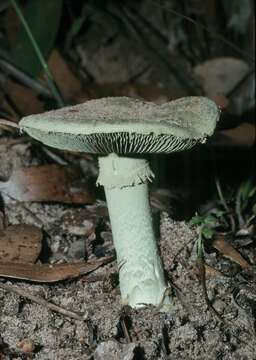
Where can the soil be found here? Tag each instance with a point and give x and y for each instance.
(189, 331)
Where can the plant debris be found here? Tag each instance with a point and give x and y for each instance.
(42, 302)
(45, 273)
(20, 244)
(227, 250)
(47, 183)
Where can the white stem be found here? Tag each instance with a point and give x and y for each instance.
(141, 274)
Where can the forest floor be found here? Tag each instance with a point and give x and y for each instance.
(108, 331)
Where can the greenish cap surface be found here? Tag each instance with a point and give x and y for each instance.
(125, 125)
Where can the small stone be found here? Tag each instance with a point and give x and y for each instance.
(26, 346)
(112, 350)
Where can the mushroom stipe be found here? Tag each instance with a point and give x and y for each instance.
(114, 128)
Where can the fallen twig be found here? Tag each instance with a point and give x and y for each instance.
(4, 122)
(38, 300)
(123, 321)
(201, 269)
(20, 76)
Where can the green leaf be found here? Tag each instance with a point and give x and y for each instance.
(246, 189)
(43, 18)
(207, 232)
(252, 192)
(196, 220)
(210, 220)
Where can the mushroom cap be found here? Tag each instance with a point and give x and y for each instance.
(125, 125)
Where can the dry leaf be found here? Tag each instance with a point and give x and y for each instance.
(220, 75)
(220, 100)
(228, 76)
(46, 273)
(242, 135)
(47, 183)
(149, 92)
(20, 243)
(25, 99)
(230, 252)
(68, 83)
(211, 271)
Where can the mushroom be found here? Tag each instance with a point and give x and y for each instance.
(119, 129)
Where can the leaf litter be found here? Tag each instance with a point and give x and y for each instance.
(45, 273)
(47, 183)
(20, 244)
(225, 248)
(191, 331)
(100, 299)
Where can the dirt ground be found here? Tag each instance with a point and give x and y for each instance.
(189, 331)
